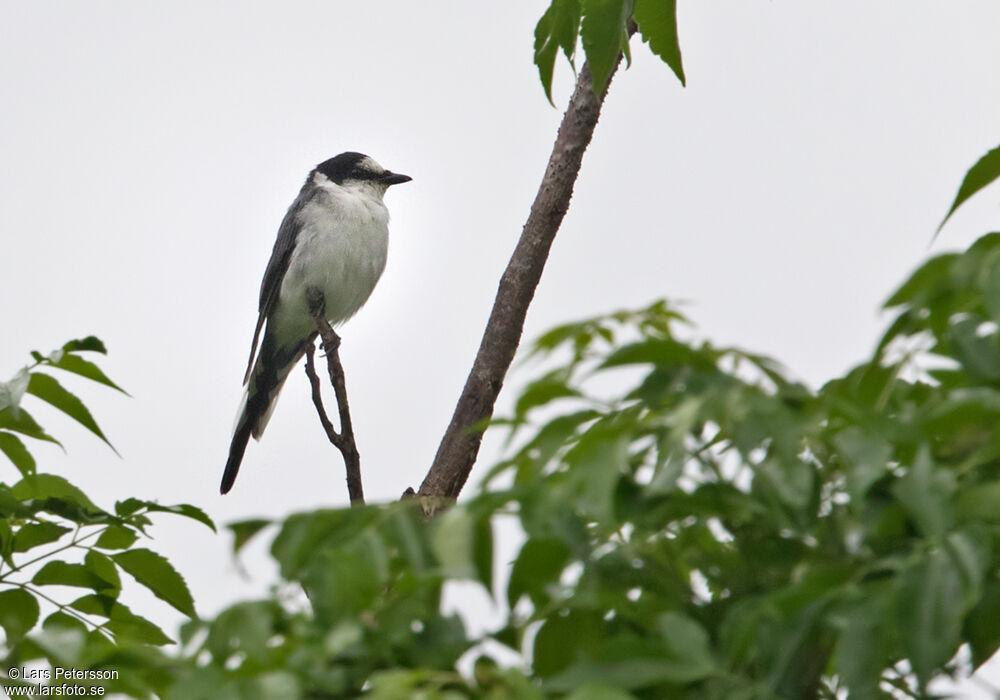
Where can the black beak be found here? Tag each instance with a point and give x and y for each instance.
(391, 178)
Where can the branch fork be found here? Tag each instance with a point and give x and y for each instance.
(344, 439)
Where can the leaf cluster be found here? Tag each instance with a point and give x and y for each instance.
(713, 528)
(54, 541)
(16, 422)
(603, 27)
(361, 602)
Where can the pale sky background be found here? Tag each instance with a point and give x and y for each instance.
(150, 151)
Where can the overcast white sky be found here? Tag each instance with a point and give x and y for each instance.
(150, 151)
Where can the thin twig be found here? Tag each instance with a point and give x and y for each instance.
(343, 440)
(317, 397)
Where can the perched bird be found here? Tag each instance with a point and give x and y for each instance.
(330, 252)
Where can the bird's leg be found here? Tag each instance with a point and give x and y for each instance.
(316, 301)
(317, 309)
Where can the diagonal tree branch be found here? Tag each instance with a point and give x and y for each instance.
(344, 440)
(460, 444)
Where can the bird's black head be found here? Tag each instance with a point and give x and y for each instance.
(359, 167)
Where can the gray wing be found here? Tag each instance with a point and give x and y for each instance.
(278, 265)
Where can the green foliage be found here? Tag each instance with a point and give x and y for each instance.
(710, 529)
(15, 420)
(983, 173)
(373, 586)
(604, 27)
(54, 540)
(657, 22)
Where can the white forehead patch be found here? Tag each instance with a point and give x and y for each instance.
(368, 163)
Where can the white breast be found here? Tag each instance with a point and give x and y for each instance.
(340, 250)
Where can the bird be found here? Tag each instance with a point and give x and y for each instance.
(329, 254)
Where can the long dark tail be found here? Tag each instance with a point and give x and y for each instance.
(268, 376)
(236, 450)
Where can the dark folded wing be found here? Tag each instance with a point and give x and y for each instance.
(281, 254)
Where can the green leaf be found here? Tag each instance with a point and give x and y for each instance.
(45, 486)
(60, 573)
(189, 629)
(91, 343)
(680, 655)
(6, 541)
(971, 554)
(116, 537)
(545, 50)
(604, 34)
(278, 685)
(991, 289)
(15, 450)
(129, 506)
(397, 683)
(159, 576)
(985, 171)
(452, 540)
(184, 509)
(18, 613)
(961, 411)
(929, 621)
(549, 439)
(77, 365)
(342, 584)
(566, 27)
(104, 568)
(599, 691)
(866, 458)
(686, 640)
(243, 628)
(792, 481)
(61, 619)
(300, 537)
(23, 423)
(862, 647)
(558, 28)
(32, 535)
(543, 391)
(482, 551)
(981, 628)
(662, 352)
(562, 638)
(926, 493)
(923, 283)
(303, 535)
(979, 502)
(95, 605)
(538, 565)
(245, 530)
(61, 644)
(121, 620)
(657, 20)
(579, 335)
(12, 392)
(978, 354)
(346, 636)
(596, 464)
(48, 389)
